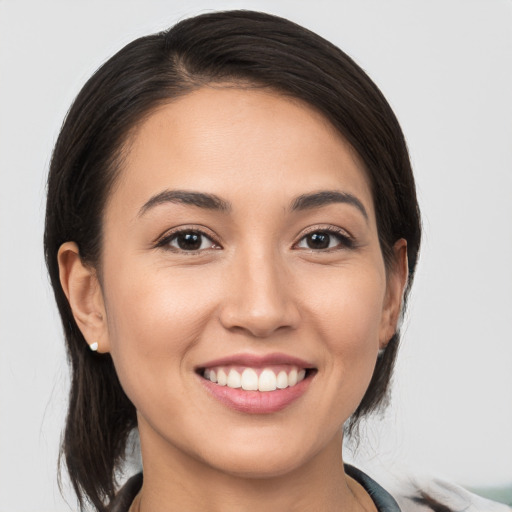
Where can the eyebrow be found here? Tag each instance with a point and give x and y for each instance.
(214, 202)
(199, 199)
(325, 197)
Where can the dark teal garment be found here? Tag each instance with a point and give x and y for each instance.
(382, 499)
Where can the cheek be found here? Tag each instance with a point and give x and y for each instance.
(346, 311)
(348, 306)
(153, 321)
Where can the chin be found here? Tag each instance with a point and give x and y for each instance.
(266, 456)
(260, 466)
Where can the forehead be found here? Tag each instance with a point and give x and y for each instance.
(238, 141)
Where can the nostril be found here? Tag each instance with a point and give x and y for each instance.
(259, 308)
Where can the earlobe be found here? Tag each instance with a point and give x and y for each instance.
(82, 288)
(395, 289)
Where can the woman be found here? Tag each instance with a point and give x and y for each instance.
(231, 233)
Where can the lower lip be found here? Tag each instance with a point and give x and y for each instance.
(256, 402)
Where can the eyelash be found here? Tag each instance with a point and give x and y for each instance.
(169, 237)
(345, 240)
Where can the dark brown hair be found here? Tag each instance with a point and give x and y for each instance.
(242, 47)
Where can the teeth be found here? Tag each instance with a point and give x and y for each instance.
(268, 381)
(222, 378)
(234, 379)
(248, 380)
(282, 380)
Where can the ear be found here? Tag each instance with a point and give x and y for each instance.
(395, 287)
(82, 288)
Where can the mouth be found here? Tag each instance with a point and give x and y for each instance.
(257, 385)
(269, 378)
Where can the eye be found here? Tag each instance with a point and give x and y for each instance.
(188, 240)
(325, 239)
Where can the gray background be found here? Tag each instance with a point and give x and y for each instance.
(445, 66)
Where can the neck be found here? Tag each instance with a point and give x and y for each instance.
(174, 481)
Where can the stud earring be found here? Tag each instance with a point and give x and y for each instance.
(94, 346)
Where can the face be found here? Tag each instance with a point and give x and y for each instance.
(241, 249)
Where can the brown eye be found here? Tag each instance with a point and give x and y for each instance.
(322, 240)
(318, 240)
(189, 240)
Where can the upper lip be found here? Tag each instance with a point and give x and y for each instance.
(257, 361)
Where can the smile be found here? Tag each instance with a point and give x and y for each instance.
(257, 384)
(256, 379)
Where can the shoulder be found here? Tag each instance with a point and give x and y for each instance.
(412, 494)
(433, 494)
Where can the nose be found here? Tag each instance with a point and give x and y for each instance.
(259, 298)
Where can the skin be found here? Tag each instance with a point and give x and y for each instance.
(254, 287)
